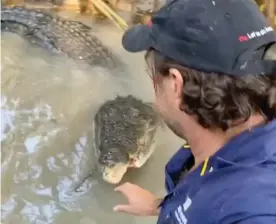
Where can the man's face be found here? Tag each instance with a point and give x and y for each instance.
(168, 97)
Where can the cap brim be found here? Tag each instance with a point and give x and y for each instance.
(137, 38)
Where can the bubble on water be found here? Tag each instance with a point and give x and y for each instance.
(65, 162)
(31, 143)
(36, 111)
(77, 158)
(29, 210)
(37, 213)
(83, 140)
(60, 155)
(35, 171)
(43, 191)
(8, 207)
(70, 195)
(50, 211)
(20, 176)
(3, 100)
(63, 184)
(15, 102)
(7, 123)
(79, 147)
(17, 163)
(51, 164)
(84, 187)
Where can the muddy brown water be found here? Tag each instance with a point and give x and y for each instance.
(47, 104)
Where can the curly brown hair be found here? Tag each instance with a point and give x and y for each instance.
(219, 100)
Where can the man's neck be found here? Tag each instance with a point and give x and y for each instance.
(205, 143)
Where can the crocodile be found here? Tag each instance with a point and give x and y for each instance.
(124, 131)
(123, 136)
(59, 35)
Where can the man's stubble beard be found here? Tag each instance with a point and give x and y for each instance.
(174, 127)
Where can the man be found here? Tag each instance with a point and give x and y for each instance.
(214, 89)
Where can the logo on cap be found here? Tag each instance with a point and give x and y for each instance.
(255, 34)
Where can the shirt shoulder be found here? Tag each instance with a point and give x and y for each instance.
(254, 203)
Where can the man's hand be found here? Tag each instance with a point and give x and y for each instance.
(140, 201)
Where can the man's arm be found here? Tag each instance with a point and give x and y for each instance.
(141, 202)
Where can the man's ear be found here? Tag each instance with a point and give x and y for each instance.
(178, 81)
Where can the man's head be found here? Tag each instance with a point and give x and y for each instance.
(212, 100)
(206, 60)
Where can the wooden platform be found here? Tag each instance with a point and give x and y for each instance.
(268, 7)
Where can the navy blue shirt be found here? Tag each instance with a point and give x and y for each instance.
(236, 185)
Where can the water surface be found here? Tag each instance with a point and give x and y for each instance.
(47, 105)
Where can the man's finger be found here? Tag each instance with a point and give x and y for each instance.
(123, 188)
(124, 208)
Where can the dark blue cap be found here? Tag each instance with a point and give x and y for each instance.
(223, 36)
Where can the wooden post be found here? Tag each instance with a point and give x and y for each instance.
(271, 10)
